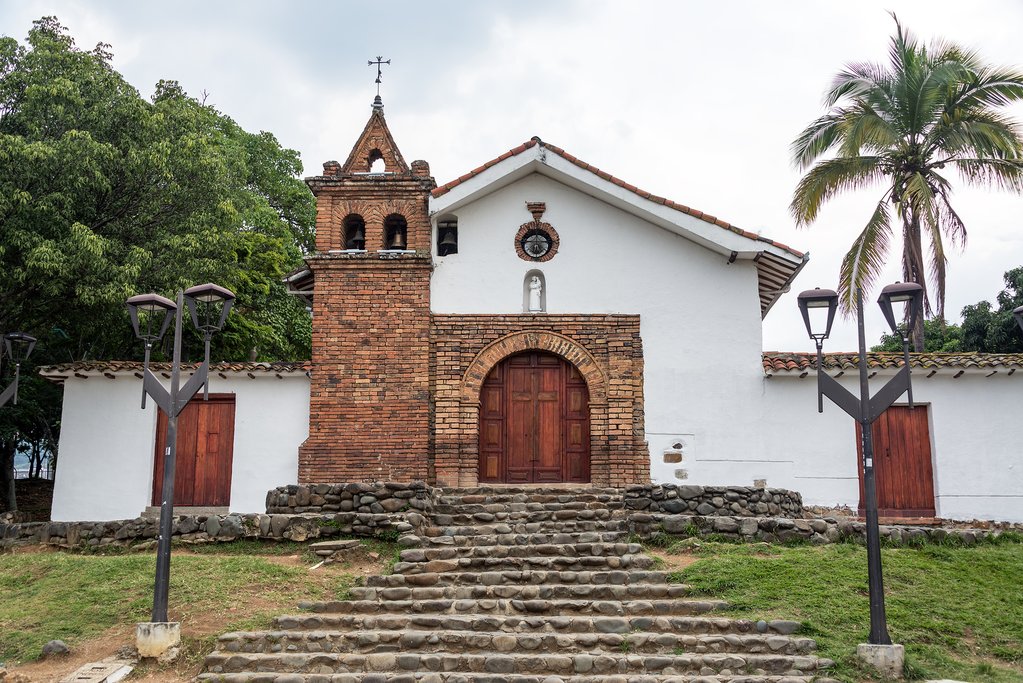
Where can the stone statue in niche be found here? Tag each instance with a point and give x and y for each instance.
(535, 290)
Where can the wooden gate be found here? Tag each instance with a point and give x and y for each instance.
(903, 475)
(205, 448)
(534, 422)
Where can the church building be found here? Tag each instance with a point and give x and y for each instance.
(534, 321)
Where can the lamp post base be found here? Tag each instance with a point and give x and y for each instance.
(887, 659)
(158, 639)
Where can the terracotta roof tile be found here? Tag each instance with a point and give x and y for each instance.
(107, 367)
(775, 361)
(447, 187)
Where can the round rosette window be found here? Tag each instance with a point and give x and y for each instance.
(536, 243)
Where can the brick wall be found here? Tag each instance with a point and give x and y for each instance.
(608, 351)
(369, 404)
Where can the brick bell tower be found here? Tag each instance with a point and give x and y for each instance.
(369, 406)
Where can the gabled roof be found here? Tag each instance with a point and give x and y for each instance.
(802, 364)
(776, 263)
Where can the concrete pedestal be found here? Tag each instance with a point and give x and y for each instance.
(158, 638)
(887, 659)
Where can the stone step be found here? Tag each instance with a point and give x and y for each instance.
(641, 591)
(524, 516)
(525, 527)
(532, 506)
(558, 607)
(506, 664)
(452, 677)
(533, 624)
(555, 562)
(527, 577)
(495, 551)
(526, 539)
(554, 496)
(367, 642)
(532, 490)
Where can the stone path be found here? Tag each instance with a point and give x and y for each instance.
(531, 585)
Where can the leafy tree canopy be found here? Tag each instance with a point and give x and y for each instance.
(985, 328)
(104, 195)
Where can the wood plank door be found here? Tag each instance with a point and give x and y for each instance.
(205, 449)
(903, 474)
(534, 422)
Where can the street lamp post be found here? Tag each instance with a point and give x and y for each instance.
(12, 343)
(202, 302)
(865, 410)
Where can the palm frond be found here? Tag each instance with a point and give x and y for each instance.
(865, 260)
(1005, 174)
(938, 263)
(866, 129)
(830, 177)
(817, 138)
(975, 134)
(949, 221)
(991, 86)
(856, 80)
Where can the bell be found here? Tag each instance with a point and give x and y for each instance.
(397, 240)
(448, 244)
(357, 240)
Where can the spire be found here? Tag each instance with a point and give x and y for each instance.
(378, 104)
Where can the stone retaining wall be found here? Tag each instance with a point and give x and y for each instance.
(203, 529)
(366, 498)
(817, 531)
(730, 501)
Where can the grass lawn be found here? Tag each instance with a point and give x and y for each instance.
(214, 588)
(958, 611)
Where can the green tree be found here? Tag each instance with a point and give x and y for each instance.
(939, 337)
(104, 194)
(994, 330)
(902, 125)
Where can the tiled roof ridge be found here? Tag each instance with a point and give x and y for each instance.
(796, 361)
(695, 213)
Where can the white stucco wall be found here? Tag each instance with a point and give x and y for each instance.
(700, 315)
(105, 461)
(976, 456)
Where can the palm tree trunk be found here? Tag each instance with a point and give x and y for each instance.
(913, 271)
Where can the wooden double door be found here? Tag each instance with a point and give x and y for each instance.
(205, 449)
(903, 475)
(534, 422)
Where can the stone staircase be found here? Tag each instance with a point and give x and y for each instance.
(519, 585)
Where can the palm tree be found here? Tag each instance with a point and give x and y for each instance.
(902, 125)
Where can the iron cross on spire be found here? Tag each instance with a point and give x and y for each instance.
(379, 62)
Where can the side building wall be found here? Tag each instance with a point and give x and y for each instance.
(976, 457)
(107, 444)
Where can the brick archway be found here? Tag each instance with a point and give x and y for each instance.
(517, 342)
(607, 351)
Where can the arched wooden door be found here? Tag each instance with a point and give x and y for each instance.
(534, 422)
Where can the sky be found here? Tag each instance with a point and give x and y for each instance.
(694, 101)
